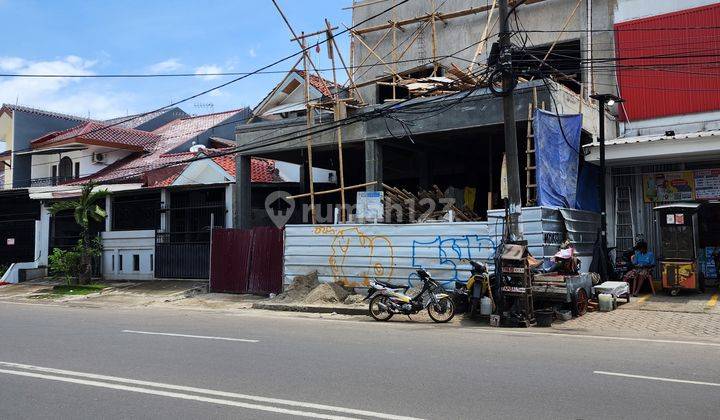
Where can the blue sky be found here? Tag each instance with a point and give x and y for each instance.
(150, 36)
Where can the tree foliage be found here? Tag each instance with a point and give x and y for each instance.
(85, 209)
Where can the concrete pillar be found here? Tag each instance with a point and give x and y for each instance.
(373, 164)
(42, 237)
(108, 210)
(242, 198)
(229, 205)
(165, 204)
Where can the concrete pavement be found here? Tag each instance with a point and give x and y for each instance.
(418, 370)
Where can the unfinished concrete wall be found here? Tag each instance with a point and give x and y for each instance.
(458, 36)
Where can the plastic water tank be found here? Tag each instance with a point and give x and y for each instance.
(485, 306)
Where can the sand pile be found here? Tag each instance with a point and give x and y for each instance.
(354, 300)
(327, 293)
(300, 287)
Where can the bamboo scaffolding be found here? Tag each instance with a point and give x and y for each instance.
(309, 122)
(560, 34)
(441, 16)
(334, 190)
(483, 38)
(337, 110)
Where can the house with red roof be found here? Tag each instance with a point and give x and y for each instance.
(169, 187)
(23, 244)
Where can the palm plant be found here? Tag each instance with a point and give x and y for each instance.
(84, 208)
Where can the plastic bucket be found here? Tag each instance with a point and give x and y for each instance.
(544, 317)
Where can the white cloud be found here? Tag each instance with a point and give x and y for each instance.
(62, 94)
(209, 69)
(168, 65)
(252, 53)
(11, 63)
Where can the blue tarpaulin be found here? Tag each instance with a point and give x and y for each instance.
(588, 191)
(557, 158)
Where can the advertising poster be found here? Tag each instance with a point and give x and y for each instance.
(669, 186)
(707, 184)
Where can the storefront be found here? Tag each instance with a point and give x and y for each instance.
(648, 172)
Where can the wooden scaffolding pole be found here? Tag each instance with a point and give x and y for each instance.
(433, 36)
(339, 106)
(334, 190)
(483, 38)
(372, 51)
(309, 120)
(348, 71)
(560, 34)
(441, 16)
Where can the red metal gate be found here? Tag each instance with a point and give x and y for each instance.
(246, 261)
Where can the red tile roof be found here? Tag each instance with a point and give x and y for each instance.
(161, 167)
(319, 83)
(178, 132)
(99, 134)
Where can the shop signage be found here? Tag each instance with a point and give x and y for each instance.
(669, 186)
(707, 184)
(702, 184)
(370, 206)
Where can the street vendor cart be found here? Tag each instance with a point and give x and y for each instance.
(574, 290)
(679, 246)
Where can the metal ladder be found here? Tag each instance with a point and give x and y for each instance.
(624, 218)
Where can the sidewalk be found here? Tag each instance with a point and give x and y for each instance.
(690, 316)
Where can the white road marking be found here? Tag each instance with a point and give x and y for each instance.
(207, 337)
(203, 391)
(174, 395)
(602, 337)
(656, 378)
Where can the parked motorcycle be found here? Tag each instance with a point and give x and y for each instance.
(478, 286)
(387, 299)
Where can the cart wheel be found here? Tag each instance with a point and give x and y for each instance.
(580, 302)
(674, 292)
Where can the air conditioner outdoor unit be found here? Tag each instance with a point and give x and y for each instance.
(98, 157)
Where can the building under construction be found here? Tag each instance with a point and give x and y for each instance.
(419, 110)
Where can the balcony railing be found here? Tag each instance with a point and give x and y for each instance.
(49, 181)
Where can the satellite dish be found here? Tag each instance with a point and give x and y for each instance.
(197, 147)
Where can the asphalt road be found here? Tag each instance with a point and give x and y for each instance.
(89, 363)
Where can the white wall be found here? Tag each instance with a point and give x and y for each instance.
(127, 244)
(290, 172)
(638, 9)
(42, 164)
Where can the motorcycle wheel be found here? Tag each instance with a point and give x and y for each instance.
(442, 311)
(376, 311)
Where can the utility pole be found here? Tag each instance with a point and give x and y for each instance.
(511, 149)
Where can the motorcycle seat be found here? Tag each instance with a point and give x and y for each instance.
(392, 286)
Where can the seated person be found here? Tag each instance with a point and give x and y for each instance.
(565, 262)
(642, 263)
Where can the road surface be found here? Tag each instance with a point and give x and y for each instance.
(58, 362)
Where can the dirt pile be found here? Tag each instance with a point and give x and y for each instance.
(299, 289)
(354, 300)
(309, 291)
(327, 293)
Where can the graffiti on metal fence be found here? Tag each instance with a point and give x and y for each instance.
(449, 250)
(373, 254)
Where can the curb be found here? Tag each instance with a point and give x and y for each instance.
(312, 309)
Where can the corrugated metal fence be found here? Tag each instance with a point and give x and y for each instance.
(356, 253)
(246, 261)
